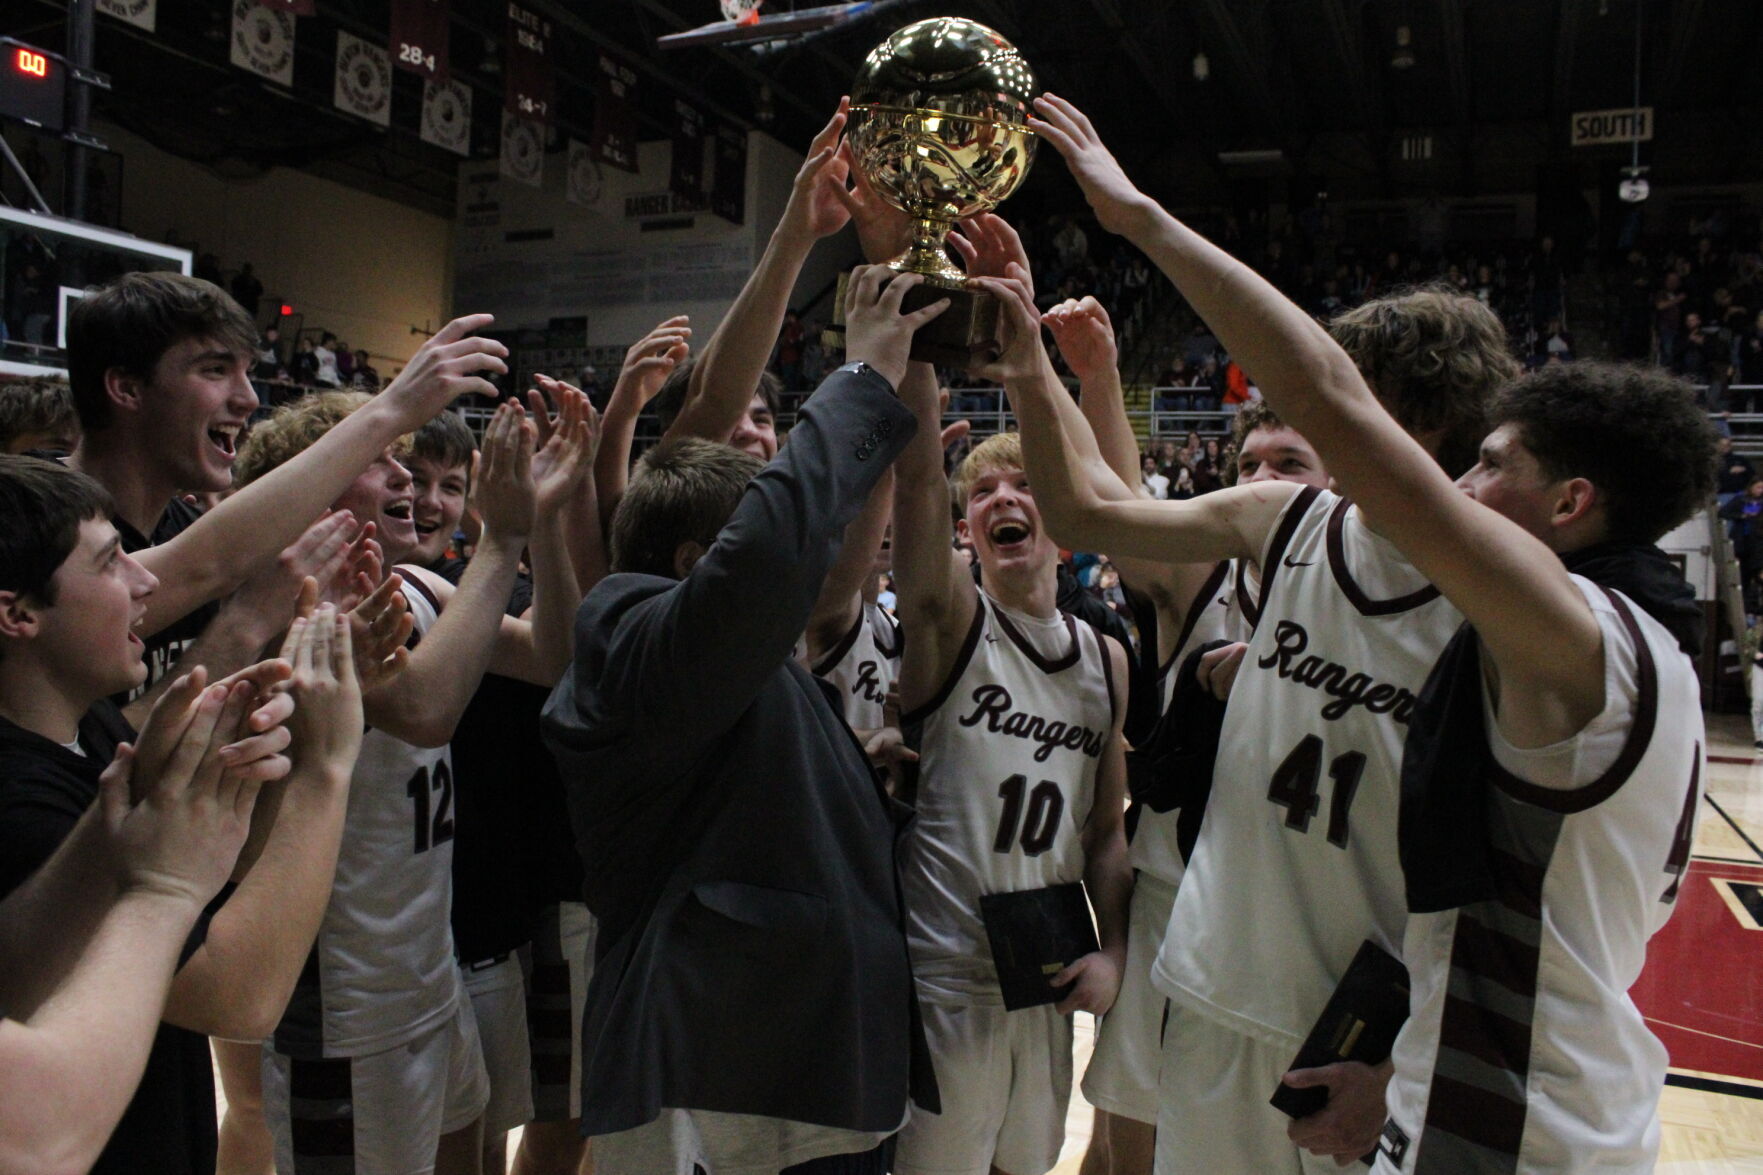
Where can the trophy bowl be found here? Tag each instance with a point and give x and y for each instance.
(939, 128)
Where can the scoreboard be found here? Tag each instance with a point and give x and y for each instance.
(33, 85)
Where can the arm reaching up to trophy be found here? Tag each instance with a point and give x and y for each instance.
(722, 387)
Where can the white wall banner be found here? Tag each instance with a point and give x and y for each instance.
(263, 41)
(586, 184)
(1626, 125)
(523, 150)
(446, 115)
(140, 13)
(364, 80)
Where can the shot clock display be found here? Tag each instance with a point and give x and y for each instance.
(33, 85)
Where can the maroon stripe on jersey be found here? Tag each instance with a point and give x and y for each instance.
(1246, 602)
(1343, 575)
(1518, 882)
(301, 1030)
(1483, 953)
(428, 593)
(1044, 664)
(321, 1116)
(1107, 671)
(1486, 1035)
(1640, 735)
(837, 653)
(1202, 600)
(1476, 1115)
(896, 647)
(1276, 549)
(970, 643)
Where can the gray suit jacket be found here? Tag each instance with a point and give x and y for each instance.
(739, 851)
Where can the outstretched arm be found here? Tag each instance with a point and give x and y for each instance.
(1235, 522)
(1086, 338)
(733, 360)
(646, 367)
(1541, 635)
(225, 545)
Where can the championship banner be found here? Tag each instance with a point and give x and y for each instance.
(530, 89)
(686, 177)
(263, 41)
(446, 115)
(615, 114)
(142, 14)
(419, 34)
(585, 185)
(292, 7)
(523, 150)
(728, 195)
(364, 80)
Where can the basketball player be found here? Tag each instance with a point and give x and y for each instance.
(1021, 785)
(1574, 758)
(1196, 604)
(1347, 634)
(380, 1013)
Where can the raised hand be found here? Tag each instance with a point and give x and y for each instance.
(323, 553)
(652, 358)
(181, 837)
(988, 245)
(1085, 336)
(883, 230)
(326, 725)
(1022, 356)
(505, 476)
(445, 368)
(814, 210)
(1116, 202)
(875, 331)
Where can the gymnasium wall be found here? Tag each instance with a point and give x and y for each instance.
(627, 259)
(365, 268)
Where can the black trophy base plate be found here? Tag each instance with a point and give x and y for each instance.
(964, 336)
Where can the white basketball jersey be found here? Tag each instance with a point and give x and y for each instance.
(1296, 863)
(1524, 1049)
(382, 970)
(864, 665)
(1008, 751)
(1213, 615)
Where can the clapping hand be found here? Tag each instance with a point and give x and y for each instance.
(176, 811)
(505, 476)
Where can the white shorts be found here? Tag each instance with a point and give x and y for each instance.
(498, 1003)
(1005, 1081)
(562, 962)
(1123, 1072)
(1215, 1118)
(383, 1112)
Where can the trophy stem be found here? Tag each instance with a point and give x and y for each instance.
(928, 256)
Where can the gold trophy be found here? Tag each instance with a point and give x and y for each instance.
(939, 128)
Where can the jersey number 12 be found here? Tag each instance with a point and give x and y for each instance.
(437, 827)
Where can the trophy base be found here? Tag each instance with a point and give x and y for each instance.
(963, 336)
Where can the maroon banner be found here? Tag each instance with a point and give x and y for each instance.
(728, 193)
(530, 89)
(615, 114)
(686, 178)
(296, 7)
(419, 36)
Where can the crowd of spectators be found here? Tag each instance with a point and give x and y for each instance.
(1695, 306)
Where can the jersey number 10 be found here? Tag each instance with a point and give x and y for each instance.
(1046, 804)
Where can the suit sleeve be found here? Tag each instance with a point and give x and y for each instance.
(697, 654)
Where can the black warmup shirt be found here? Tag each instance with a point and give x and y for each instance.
(169, 1127)
(513, 848)
(168, 644)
